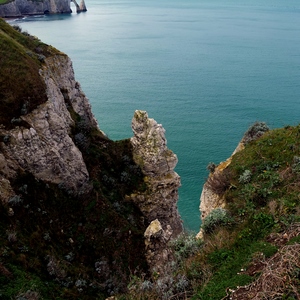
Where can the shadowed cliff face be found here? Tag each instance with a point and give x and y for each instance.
(74, 205)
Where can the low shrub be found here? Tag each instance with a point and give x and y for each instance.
(245, 177)
(217, 217)
(185, 245)
(211, 167)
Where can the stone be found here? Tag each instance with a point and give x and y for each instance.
(158, 254)
(18, 8)
(210, 200)
(157, 163)
(46, 149)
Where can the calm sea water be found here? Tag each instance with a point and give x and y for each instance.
(205, 69)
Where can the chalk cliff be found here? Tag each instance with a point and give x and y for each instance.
(44, 147)
(77, 202)
(211, 197)
(18, 8)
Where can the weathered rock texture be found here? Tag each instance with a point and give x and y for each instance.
(158, 253)
(158, 203)
(79, 7)
(19, 8)
(209, 200)
(157, 162)
(65, 186)
(44, 147)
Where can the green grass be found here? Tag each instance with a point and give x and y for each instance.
(266, 201)
(21, 87)
(5, 1)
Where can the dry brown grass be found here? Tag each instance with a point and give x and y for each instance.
(222, 238)
(278, 275)
(219, 182)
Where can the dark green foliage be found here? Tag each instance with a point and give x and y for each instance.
(54, 236)
(21, 87)
(217, 217)
(185, 245)
(245, 177)
(82, 246)
(262, 199)
(229, 264)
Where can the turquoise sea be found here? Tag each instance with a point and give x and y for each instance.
(205, 69)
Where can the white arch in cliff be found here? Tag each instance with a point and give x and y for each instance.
(81, 7)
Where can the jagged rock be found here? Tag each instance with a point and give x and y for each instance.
(209, 200)
(157, 162)
(82, 6)
(46, 148)
(158, 254)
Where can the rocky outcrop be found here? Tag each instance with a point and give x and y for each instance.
(150, 152)
(209, 199)
(44, 146)
(79, 7)
(158, 254)
(18, 8)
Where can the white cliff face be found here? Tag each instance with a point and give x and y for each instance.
(209, 200)
(157, 162)
(44, 147)
(25, 7)
(59, 77)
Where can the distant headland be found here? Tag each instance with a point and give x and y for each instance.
(19, 8)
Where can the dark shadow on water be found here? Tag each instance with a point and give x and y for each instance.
(46, 17)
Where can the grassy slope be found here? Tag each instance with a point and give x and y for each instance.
(266, 205)
(20, 59)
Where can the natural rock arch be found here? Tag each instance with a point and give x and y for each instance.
(81, 7)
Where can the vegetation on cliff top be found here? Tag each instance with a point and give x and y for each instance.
(251, 247)
(5, 1)
(22, 89)
(254, 253)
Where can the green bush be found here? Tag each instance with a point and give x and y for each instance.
(219, 182)
(245, 177)
(185, 245)
(217, 217)
(296, 164)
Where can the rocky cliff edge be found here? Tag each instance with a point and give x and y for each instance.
(81, 211)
